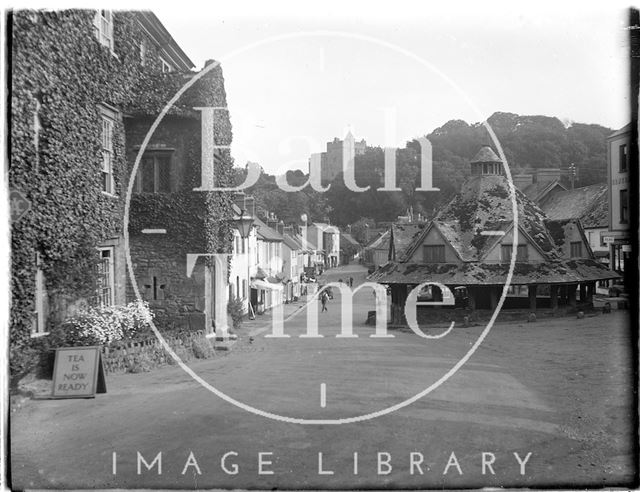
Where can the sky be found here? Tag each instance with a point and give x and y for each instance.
(298, 74)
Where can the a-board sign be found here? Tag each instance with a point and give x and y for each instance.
(78, 373)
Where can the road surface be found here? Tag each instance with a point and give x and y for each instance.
(545, 404)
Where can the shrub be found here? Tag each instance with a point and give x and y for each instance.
(99, 326)
(235, 308)
(201, 348)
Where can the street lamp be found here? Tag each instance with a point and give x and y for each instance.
(243, 224)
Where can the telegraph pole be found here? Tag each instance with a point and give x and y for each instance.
(572, 174)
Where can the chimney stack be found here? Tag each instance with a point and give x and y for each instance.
(250, 205)
(239, 199)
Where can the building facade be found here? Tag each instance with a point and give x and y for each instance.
(85, 88)
(618, 237)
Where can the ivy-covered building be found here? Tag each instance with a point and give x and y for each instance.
(85, 88)
(469, 245)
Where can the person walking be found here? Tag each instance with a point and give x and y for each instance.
(350, 281)
(323, 299)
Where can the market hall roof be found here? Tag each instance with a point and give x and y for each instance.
(484, 204)
(474, 273)
(402, 237)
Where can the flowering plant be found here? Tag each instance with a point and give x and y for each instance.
(103, 325)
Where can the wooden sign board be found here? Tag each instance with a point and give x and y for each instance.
(78, 373)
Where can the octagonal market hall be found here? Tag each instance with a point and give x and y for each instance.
(468, 246)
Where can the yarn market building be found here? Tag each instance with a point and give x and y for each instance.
(468, 246)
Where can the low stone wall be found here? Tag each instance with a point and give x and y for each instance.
(143, 355)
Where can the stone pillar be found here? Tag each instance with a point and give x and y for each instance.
(533, 290)
(583, 292)
(554, 296)
(571, 294)
(493, 294)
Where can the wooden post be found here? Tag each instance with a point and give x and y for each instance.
(471, 290)
(571, 294)
(563, 295)
(533, 290)
(591, 289)
(583, 292)
(493, 293)
(553, 289)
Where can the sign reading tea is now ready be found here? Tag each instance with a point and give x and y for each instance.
(78, 373)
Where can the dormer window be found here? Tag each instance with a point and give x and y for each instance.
(103, 28)
(433, 253)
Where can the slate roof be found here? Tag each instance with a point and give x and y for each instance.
(556, 272)
(484, 204)
(265, 232)
(486, 154)
(404, 236)
(345, 236)
(381, 242)
(590, 204)
(291, 243)
(537, 191)
(625, 129)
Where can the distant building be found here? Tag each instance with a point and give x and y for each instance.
(338, 153)
(618, 237)
(326, 239)
(539, 184)
(589, 205)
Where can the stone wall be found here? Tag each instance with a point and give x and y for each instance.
(160, 266)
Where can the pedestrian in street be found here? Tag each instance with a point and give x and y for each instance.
(323, 299)
(350, 281)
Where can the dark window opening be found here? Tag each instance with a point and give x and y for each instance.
(576, 249)
(522, 253)
(154, 175)
(434, 253)
(624, 206)
(623, 158)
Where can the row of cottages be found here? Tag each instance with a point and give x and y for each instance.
(86, 87)
(470, 242)
(267, 263)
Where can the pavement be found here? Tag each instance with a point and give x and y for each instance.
(543, 404)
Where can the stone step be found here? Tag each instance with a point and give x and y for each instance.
(224, 346)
